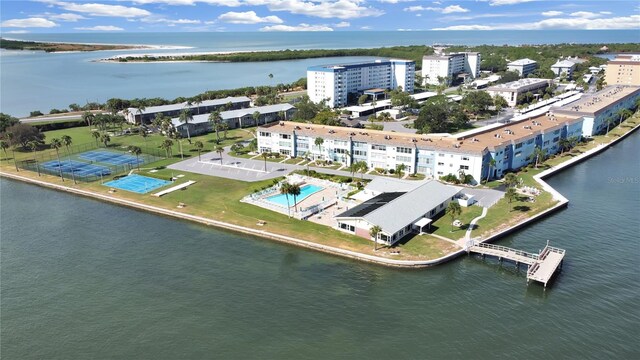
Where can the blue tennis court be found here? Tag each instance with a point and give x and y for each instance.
(137, 183)
(109, 157)
(78, 168)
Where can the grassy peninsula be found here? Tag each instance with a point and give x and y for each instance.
(57, 47)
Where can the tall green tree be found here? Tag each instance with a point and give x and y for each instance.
(167, 145)
(220, 151)
(265, 155)
(215, 120)
(400, 170)
(33, 146)
(185, 117)
(256, 117)
(510, 180)
(105, 139)
(96, 135)
(492, 164)
(136, 150)
(318, 142)
(199, 146)
(285, 189)
(4, 145)
(373, 232)
(511, 195)
(295, 191)
(453, 210)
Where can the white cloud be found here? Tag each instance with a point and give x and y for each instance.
(34, 22)
(585, 14)
(477, 16)
(67, 17)
(395, 1)
(230, 3)
(552, 13)
(573, 23)
(301, 27)
(507, 2)
(249, 17)
(341, 9)
(101, 28)
(366, 27)
(446, 10)
(342, 24)
(606, 12)
(17, 32)
(96, 9)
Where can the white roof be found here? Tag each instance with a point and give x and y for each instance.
(384, 184)
(233, 114)
(182, 105)
(563, 64)
(521, 62)
(403, 210)
(422, 222)
(423, 95)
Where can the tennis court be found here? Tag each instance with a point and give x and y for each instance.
(109, 157)
(78, 168)
(137, 183)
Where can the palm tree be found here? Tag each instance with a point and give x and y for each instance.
(4, 146)
(492, 164)
(9, 137)
(67, 141)
(33, 145)
(373, 232)
(295, 191)
(197, 100)
(105, 138)
(220, 151)
(362, 168)
(538, 154)
(140, 109)
(136, 150)
(256, 117)
(199, 145)
(623, 113)
(264, 156)
(285, 189)
(167, 145)
(282, 115)
(225, 127)
(215, 119)
(185, 117)
(510, 180)
(453, 210)
(143, 133)
(609, 122)
(88, 117)
(564, 144)
(56, 144)
(400, 169)
(511, 195)
(96, 135)
(319, 141)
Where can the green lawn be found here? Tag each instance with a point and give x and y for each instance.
(442, 226)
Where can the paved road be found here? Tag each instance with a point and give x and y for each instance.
(53, 118)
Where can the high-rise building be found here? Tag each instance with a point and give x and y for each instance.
(334, 83)
(437, 67)
(623, 70)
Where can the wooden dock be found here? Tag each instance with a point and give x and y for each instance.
(541, 267)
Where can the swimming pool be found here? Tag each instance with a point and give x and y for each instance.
(305, 192)
(137, 183)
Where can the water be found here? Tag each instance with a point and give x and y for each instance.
(84, 279)
(39, 81)
(305, 192)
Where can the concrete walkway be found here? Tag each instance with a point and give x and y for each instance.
(472, 225)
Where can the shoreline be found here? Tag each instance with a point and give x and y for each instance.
(562, 203)
(129, 47)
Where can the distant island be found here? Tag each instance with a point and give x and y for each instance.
(59, 47)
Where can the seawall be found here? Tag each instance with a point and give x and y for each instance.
(562, 203)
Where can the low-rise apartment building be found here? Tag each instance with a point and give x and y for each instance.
(511, 90)
(523, 66)
(147, 114)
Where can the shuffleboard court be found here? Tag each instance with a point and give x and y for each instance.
(77, 167)
(109, 157)
(137, 183)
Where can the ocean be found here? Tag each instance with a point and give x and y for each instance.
(39, 81)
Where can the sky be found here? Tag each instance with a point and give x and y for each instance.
(52, 16)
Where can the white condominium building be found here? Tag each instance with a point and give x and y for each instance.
(511, 90)
(333, 83)
(449, 66)
(523, 67)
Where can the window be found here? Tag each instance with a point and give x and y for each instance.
(555, 139)
(347, 227)
(545, 143)
(404, 150)
(285, 136)
(464, 167)
(441, 155)
(359, 153)
(465, 158)
(265, 134)
(403, 158)
(378, 147)
(530, 141)
(517, 154)
(518, 145)
(440, 164)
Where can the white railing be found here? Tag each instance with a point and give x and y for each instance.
(508, 250)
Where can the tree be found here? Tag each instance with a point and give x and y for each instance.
(225, 127)
(538, 155)
(609, 121)
(623, 113)
(453, 210)
(256, 117)
(362, 168)
(143, 133)
(500, 103)
(564, 145)
(477, 102)
(215, 119)
(318, 142)
(96, 136)
(362, 99)
(7, 121)
(33, 146)
(295, 191)
(373, 232)
(400, 170)
(492, 164)
(140, 110)
(285, 189)
(4, 146)
(105, 139)
(199, 145)
(167, 145)
(220, 151)
(185, 117)
(9, 136)
(136, 150)
(23, 134)
(67, 141)
(510, 180)
(511, 195)
(265, 155)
